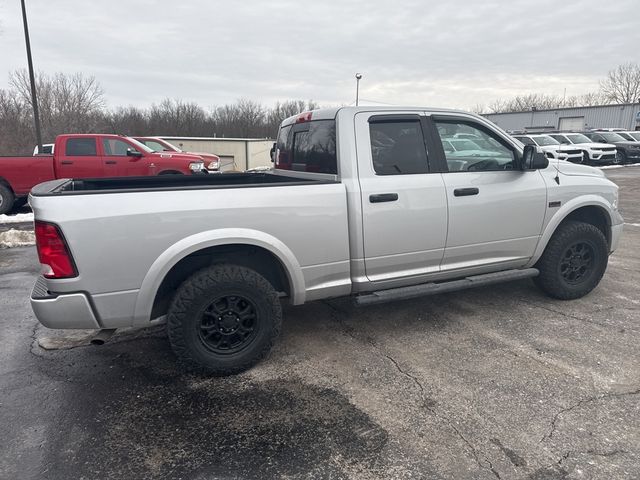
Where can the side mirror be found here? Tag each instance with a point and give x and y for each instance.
(534, 159)
(133, 153)
(272, 153)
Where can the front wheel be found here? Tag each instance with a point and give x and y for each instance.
(620, 158)
(224, 319)
(574, 261)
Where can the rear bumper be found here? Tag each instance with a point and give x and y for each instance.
(70, 310)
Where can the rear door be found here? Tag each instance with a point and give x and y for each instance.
(79, 158)
(496, 211)
(404, 206)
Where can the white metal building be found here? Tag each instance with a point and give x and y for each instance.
(625, 116)
(235, 153)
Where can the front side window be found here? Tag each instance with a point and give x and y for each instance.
(308, 147)
(81, 147)
(477, 149)
(116, 148)
(397, 147)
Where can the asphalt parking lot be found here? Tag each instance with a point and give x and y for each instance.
(498, 382)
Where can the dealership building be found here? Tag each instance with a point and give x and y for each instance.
(625, 116)
(235, 153)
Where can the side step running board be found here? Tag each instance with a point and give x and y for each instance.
(414, 291)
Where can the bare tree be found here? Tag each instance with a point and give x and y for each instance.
(67, 103)
(175, 117)
(622, 84)
(16, 132)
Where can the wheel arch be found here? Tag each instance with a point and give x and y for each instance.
(249, 248)
(595, 211)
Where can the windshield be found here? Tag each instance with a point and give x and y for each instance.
(635, 136)
(168, 145)
(612, 137)
(543, 140)
(140, 145)
(464, 144)
(578, 138)
(626, 136)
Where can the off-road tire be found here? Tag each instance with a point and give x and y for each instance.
(198, 294)
(569, 234)
(6, 199)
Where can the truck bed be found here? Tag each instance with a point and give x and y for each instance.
(169, 182)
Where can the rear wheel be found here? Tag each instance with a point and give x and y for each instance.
(6, 199)
(224, 319)
(621, 158)
(573, 262)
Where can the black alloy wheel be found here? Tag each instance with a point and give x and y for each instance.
(577, 262)
(228, 324)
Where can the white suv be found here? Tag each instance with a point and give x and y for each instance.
(552, 147)
(600, 153)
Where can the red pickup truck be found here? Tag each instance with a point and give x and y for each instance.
(88, 156)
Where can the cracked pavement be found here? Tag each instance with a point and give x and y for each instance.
(497, 382)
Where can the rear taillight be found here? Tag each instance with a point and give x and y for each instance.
(53, 252)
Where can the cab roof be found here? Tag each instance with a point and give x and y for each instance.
(332, 113)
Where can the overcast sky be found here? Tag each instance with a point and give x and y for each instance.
(455, 53)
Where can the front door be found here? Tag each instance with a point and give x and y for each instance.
(116, 161)
(496, 211)
(404, 207)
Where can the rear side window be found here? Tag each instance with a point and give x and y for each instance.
(308, 147)
(397, 147)
(81, 147)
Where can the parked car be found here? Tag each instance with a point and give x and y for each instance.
(378, 218)
(593, 153)
(627, 152)
(47, 149)
(87, 156)
(211, 161)
(552, 147)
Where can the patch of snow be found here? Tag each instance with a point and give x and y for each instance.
(633, 224)
(17, 238)
(18, 218)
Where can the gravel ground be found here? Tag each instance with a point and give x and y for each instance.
(498, 382)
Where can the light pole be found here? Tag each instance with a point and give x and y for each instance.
(34, 100)
(358, 77)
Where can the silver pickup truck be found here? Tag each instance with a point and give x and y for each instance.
(362, 201)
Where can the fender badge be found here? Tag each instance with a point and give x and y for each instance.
(554, 204)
